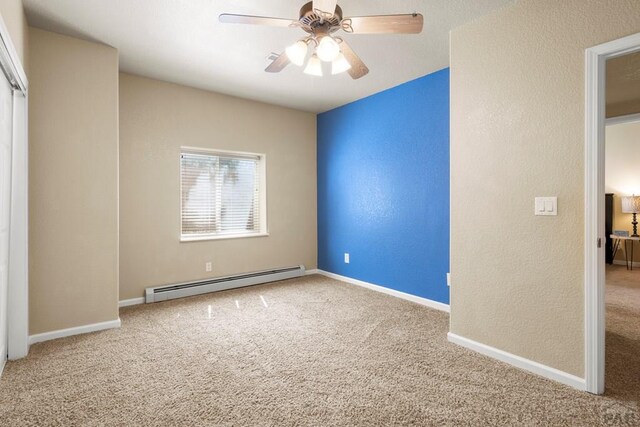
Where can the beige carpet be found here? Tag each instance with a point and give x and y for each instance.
(622, 375)
(310, 351)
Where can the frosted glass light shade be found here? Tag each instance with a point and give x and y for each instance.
(328, 49)
(314, 67)
(631, 204)
(340, 65)
(297, 52)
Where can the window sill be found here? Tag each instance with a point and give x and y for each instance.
(184, 239)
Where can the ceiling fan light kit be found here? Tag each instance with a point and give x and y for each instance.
(321, 19)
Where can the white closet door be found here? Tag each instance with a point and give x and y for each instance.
(6, 120)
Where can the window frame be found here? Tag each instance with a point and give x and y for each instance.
(262, 176)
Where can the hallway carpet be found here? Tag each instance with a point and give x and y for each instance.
(303, 352)
(622, 373)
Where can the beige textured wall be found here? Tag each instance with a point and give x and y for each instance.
(16, 22)
(517, 131)
(156, 118)
(623, 85)
(73, 130)
(622, 175)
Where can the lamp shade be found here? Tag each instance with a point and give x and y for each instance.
(631, 204)
(314, 66)
(328, 49)
(340, 65)
(297, 52)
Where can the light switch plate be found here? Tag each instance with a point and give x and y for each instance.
(546, 206)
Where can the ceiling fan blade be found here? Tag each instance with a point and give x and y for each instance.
(358, 69)
(384, 24)
(229, 18)
(278, 64)
(326, 6)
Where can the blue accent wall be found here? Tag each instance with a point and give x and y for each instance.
(383, 188)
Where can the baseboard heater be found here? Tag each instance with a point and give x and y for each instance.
(180, 290)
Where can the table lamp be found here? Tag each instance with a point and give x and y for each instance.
(631, 204)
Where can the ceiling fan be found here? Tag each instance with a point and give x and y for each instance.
(321, 19)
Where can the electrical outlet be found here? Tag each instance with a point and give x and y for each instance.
(208, 266)
(346, 258)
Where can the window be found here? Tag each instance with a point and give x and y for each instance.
(222, 194)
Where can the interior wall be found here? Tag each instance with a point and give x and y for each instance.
(622, 175)
(623, 85)
(16, 22)
(383, 188)
(156, 119)
(73, 201)
(517, 132)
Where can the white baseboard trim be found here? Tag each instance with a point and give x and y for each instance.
(520, 362)
(622, 262)
(61, 333)
(413, 298)
(309, 272)
(132, 301)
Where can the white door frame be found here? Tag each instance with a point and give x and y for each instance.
(594, 276)
(18, 289)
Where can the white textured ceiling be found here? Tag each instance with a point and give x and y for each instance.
(182, 41)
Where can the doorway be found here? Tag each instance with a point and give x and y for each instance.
(595, 206)
(622, 269)
(13, 203)
(6, 140)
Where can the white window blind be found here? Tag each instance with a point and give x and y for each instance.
(221, 194)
